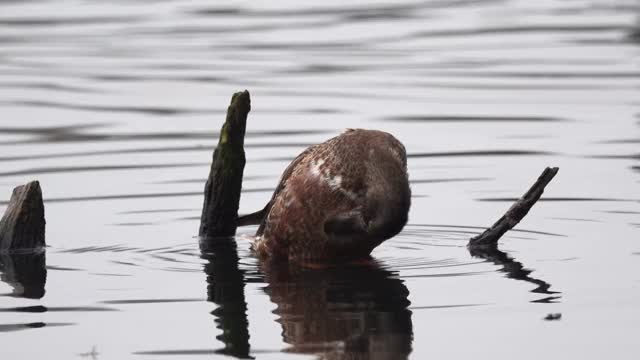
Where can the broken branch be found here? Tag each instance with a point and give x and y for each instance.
(517, 211)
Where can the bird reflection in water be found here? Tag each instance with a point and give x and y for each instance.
(356, 311)
(342, 311)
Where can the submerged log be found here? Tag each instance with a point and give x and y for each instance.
(222, 190)
(489, 238)
(22, 226)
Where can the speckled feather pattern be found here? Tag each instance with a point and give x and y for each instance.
(325, 182)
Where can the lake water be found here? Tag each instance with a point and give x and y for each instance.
(115, 109)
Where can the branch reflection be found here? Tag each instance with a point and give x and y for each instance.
(514, 270)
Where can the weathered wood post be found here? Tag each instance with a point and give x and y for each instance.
(222, 190)
(22, 226)
(22, 252)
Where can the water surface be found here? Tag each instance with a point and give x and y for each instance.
(116, 107)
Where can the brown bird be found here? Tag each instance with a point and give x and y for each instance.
(337, 200)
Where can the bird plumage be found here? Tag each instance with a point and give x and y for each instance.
(336, 200)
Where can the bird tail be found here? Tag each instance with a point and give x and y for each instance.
(253, 218)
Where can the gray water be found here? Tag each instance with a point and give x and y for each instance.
(115, 108)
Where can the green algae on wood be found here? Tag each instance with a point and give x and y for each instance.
(224, 184)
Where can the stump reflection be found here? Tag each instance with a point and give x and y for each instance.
(225, 287)
(342, 312)
(26, 273)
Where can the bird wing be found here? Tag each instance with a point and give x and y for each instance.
(259, 217)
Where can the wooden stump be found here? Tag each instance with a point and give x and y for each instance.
(222, 190)
(22, 226)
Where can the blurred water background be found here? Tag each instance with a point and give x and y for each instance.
(115, 108)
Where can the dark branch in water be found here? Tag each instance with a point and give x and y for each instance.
(222, 191)
(485, 245)
(489, 238)
(22, 226)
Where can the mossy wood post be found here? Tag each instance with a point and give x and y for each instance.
(22, 226)
(489, 238)
(222, 191)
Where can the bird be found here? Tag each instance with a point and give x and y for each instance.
(336, 200)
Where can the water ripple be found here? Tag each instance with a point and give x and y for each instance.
(465, 84)
(137, 196)
(33, 325)
(478, 153)
(465, 119)
(44, 309)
